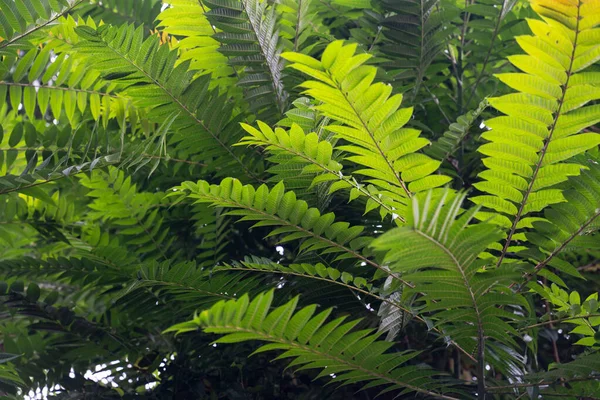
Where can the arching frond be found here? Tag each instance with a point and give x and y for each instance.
(439, 251)
(154, 83)
(276, 207)
(372, 121)
(352, 356)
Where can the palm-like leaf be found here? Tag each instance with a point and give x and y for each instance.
(439, 251)
(528, 147)
(352, 356)
(250, 38)
(371, 121)
(567, 226)
(147, 68)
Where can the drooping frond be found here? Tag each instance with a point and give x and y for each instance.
(353, 356)
(438, 250)
(528, 147)
(276, 207)
(371, 121)
(250, 38)
(147, 68)
(50, 79)
(566, 226)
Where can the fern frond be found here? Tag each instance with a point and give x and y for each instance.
(50, 80)
(116, 200)
(147, 68)
(303, 115)
(297, 23)
(314, 159)
(318, 271)
(438, 250)
(19, 22)
(567, 225)
(372, 123)
(353, 356)
(278, 208)
(451, 139)
(394, 311)
(308, 155)
(416, 32)
(528, 147)
(189, 21)
(250, 37)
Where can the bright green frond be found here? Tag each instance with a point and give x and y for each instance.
(22, 20)
(439, 251)
(276, 207)
(527, 149)
(370, 121)
(154, 82)
(353, 356)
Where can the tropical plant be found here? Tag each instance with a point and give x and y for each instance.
(299, 199)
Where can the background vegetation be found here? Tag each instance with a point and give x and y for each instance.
(393, 197)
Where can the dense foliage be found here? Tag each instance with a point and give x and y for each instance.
(299, 199)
